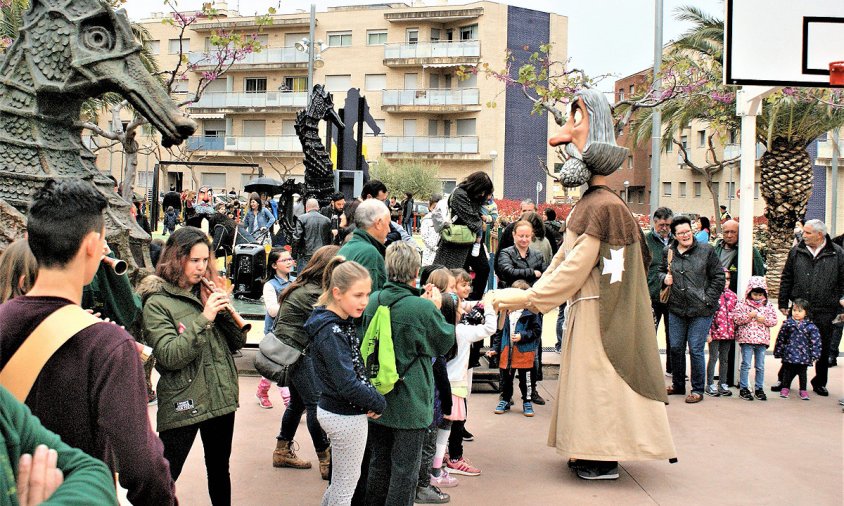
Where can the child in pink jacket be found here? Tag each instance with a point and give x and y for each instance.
(721, 334)
(754, 317)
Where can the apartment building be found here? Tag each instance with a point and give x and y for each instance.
(633, 180)
(821, 202)
(403, 58)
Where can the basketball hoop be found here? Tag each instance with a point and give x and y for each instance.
(836, 73)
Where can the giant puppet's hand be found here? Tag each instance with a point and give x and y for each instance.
(510, 298)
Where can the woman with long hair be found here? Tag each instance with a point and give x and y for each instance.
(193, 337)
(258, 217)
(704, 233)
(18, 270)
(465, 207)
(295, 304)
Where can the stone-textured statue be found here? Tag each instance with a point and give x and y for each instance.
(69, 51)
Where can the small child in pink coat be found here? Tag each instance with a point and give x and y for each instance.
(721, 334)
(754, 317)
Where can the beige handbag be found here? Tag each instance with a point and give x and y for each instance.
(665, 293)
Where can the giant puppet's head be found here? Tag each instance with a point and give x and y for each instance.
(589, 140)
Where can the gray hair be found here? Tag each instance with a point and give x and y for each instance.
(402, 262)
(527, 202)
(601, 153)
(817, 226)
(663, 213)
(368, 212)
(311, 204)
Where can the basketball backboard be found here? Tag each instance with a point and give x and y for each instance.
(782, 42)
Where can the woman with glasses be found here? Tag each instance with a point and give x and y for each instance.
(696, 277)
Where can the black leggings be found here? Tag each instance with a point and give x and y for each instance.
(216, 435)
(480, 266)
(455, 439)
(526, 387)
(789, 371)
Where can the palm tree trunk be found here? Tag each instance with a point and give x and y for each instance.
(786, 187)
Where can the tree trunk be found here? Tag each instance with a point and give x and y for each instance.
(786, 187)
(717, 206)
(130, 153)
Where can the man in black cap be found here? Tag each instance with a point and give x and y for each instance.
(333, 211)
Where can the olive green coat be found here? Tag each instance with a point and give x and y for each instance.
(193, 355)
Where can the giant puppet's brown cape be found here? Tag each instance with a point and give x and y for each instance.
(610, 402)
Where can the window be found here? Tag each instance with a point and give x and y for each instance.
(756, 190)
(435, 34)
(410, 81)
(701, 138)
(255, 85)
(263, 39)
(621, 94)
(630, 162)
(214, 179)
(296, 83)
(338, 83)
(470, 82)
(409, 128)
(469, 32)
(380, 123)
(641, 194)
(154, 46)
(180, 86)
(433, 127)
(175, 46)
(731, 190)
(666, 189)
(375, 82)
(449, 185)
(214, 128)
(412, 35)
(288, 127)
(339, 39)
(698, 187)
(376, 37)
(254, 128)
(682, 189)
(290, 39)
(733, 136)
(631, 90)
(670, 147)
(466, 127)
(447, 127)
(684, 140)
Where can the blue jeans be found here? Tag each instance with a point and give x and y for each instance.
(691, 330)
(757, 353)
(304, 396)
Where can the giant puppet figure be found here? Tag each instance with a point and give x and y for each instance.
(611, 400)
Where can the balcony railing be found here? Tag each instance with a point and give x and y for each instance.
(267, 55)
(465, 48)
(223, 100)
(445, 145)
(288, 143)
(432, 97)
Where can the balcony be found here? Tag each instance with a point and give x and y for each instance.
(824, 156)
(433, 147)
(282, 143)
(268, 58)
(239, 103)
(439, 16)
(433, 54)
(432, 100)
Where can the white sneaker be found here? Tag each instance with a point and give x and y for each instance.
(476, 249)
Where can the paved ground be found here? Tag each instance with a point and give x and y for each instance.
(731, 452)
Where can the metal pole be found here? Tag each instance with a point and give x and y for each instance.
(656, 128)
(730, 193)
(836, 153)
(311, 43)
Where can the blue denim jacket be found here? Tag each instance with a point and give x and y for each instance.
(264, 217)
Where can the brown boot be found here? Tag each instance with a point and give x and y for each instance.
(325, 463)
(284, 456)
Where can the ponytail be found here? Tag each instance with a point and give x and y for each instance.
(342, 274)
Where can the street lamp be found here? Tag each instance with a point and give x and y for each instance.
(627, 191)
(492, 156)
(314, 58)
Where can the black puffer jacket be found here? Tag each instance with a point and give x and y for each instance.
(511, 266)
(698, 280)
(820, 280)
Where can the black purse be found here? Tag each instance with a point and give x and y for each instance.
(276, 359)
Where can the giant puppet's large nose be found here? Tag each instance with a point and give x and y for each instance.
(564, 137)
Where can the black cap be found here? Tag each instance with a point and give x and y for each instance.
(337, 196)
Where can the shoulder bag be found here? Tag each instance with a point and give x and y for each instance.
(456, 234)
(665, 293)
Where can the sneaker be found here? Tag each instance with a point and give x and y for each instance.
(712, 391)
(760, 394)
(745, 394)
(668, 374)
(527, 409)
(804, 395)
(500, 408)
(724, 391)
(462, 467)
(776, 387)
(476, 249)
(468, 436)
(430, 495)
(784, 393)
(444, 480)
(599, 471)
(264, 401)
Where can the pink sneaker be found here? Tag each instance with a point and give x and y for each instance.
(285, 396)
(444, 480)
(264, 401)
(804, 395)
(462, 466)
(784, 393)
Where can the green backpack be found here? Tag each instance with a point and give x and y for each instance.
(379, 356)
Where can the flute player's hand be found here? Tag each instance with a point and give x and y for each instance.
(217, 301)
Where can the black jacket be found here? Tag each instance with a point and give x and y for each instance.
(510, 266)
(820, 280)
(313, 231)
(505, 239)
(698, 280)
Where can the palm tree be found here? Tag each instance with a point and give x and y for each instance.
(789, 122)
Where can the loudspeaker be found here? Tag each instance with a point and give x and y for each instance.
(248, 268)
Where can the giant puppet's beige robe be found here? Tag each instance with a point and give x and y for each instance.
(597, 415)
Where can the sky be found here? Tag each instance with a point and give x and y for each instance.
(605, 36)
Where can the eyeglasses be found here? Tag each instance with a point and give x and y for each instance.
(286, 260)
(683, 234)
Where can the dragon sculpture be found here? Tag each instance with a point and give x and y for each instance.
(319, 169)
(69, 51)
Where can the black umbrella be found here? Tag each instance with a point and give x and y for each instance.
(266, 185)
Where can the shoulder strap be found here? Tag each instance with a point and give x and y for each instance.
(23, 368)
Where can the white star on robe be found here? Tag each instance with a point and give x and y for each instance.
(615, 266)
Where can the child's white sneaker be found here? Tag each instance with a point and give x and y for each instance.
(476, 249)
